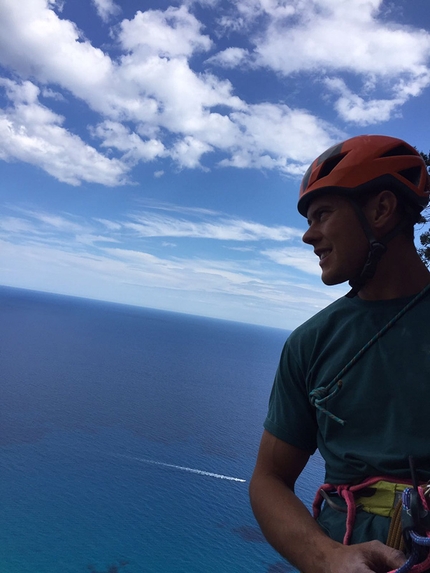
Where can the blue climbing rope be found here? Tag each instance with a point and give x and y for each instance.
(415, 541)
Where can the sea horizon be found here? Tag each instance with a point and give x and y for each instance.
(137, 306)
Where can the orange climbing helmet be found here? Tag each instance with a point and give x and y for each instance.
(365, 163)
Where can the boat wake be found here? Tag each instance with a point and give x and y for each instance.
(187, 469)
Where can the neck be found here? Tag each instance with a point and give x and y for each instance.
(400, 273)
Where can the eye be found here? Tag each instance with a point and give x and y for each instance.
(322, 214)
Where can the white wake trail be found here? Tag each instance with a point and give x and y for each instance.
(186, 469)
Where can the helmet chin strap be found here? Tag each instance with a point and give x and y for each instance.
(376, 250)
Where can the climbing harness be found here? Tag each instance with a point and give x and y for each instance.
(358, 496)
(413, 513)
(322, 394)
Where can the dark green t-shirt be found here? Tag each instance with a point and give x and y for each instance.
(384, 399)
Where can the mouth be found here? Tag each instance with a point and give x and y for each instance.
(322, 253)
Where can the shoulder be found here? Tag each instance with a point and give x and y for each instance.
(307, 341)
(346, 313)
(345, 326)
(334, 314)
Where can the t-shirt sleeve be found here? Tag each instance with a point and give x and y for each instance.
(290, 416)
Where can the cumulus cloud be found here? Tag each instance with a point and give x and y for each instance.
(32, 133)
(134, 148)
(353, 108)
(106, 9)
(172, 33)
(279, 137)
(329, 36)
(229, 58)
(35, 41)
(152, 97)
(175, 111)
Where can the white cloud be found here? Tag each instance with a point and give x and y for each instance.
(229, 58)
(32, 133)
(299, 258)
(110, 225)
(116, 135)
(38, 221)
(49, 93)
(151, 86)
(152, 101)
(279, 9)
(92, 240)
(278, 136)
(148, 225)
(35, 41)
(58, 222)
(185, 223)
(172, 33)
(106, 9)
(179, 100)
(189, 150)
(16, 225)
(343, 35)
(322, 37)
(353, 108)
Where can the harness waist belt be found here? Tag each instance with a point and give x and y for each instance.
(381, 497)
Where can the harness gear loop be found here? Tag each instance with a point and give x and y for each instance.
(319, 396)
(395, 537)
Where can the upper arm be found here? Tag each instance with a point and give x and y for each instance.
(280, 459)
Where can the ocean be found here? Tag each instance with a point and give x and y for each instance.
(128, 437)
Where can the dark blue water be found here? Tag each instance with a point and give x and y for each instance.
(128, 437)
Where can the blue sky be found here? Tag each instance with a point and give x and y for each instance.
(151, 151)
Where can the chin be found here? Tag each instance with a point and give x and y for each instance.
(332, 280)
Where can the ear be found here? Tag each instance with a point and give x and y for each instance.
(381, 210)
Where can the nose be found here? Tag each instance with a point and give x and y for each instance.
(310, 236)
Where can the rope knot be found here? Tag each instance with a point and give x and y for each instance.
(319, 394)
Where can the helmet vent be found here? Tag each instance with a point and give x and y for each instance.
(329, 164)
(413, 174)
(399, 150)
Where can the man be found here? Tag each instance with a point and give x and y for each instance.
(361, 199)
